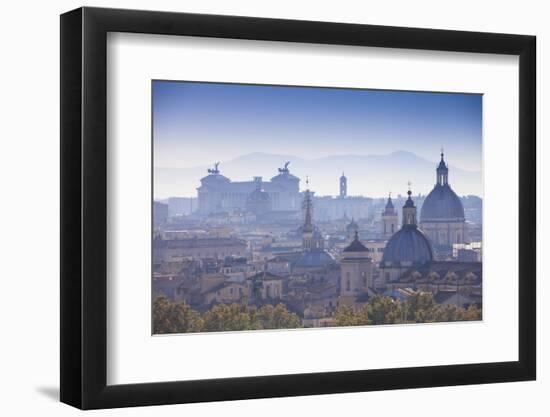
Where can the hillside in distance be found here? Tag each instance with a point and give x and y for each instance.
(368, 175)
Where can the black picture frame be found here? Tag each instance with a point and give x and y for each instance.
(84, 207)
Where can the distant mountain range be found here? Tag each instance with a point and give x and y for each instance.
(368, 175)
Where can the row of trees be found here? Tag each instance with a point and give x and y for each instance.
(169, 317)
(418, 308)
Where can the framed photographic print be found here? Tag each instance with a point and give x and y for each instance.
(258, 207)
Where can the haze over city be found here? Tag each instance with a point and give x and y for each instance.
(197, 124)
(364, 173)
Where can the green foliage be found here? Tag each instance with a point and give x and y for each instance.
(174, 317)
(178, 317)
(278, 317)
(347, 316)
(472, 313)
(418, 308)
(228, 317)
(421, 308)
(385, 310)
(171, 317)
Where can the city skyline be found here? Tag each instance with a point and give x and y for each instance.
(323, 173)
(287, 229)
(237, 119)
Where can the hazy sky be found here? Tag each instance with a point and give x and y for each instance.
(199, 123)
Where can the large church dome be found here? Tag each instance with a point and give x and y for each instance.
(442, 203)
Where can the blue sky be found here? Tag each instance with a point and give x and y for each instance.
(197, 123)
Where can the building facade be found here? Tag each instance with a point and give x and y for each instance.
(198, 248)
(218, 193)
(355, 269)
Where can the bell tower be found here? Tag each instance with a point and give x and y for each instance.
(343, 186)
(389, 219)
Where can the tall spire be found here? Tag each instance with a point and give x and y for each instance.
(442, 171)
(389, 203)
(308, 219)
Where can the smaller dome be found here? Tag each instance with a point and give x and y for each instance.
(314, 259)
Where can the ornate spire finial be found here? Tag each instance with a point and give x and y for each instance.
(307, 180)
(389, 194)
(409, 183)
(442, 152)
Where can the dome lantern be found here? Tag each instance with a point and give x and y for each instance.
(442, 171)
(409, 210)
